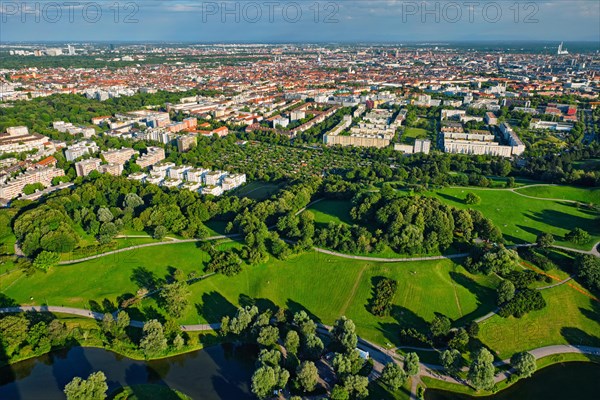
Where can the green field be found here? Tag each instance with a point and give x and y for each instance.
(521, 219)
(325, 286)
(570, 317)
(410, 134)
(327, 211)
(572, 193)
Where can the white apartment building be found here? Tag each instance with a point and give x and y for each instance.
(155, 179)
(80, 149)
(196, 175)
(162, 168)
(213, 178)
(214, 190)
(232, 181)
(420, 146)
(178, 172)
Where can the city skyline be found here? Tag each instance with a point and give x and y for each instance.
(299, 21)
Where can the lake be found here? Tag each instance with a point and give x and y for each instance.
(218, 372)
(572, 380)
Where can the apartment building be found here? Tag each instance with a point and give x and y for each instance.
(178, 172)
(213, 190)
(14, 187)
(232, 181)
(186, 142)
(84, 167)
(111, 169)
(119, 156)
(213, 178)
(420, 146)
(513, 140)
(80, 149)
(162, 168)
(17, 139)
(153, 155)
(196, 175)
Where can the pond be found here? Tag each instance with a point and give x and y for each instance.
(218, 372)
(573, 380)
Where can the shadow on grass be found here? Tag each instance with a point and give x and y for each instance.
(451, 198)
(214, 307)
(578, 337)
(484, 295)
(403, 319)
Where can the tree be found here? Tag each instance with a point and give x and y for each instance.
(175, 297)
(123, 321)
(104, 215)
(160, 232)
(339, 393)
(313, 347)
(357, 385)
(269, 357)
(307, 376)
(411, 364)
(393, 375)
(292, 342)
(481, 372)
(45, 260)
(523, 363)
(305, 323)
(92, 388)
(383, 296)
(440, 325)
(178, 342)
(265, 379)
(460, 340)
(587, 268)
(505, 292)
(13, 329)
(344, 333)
(451, 361)
(268, 336)
(545, 240)
(108, 324)
(472, 198)
(153, 341)
(346, 364)
(578, 236)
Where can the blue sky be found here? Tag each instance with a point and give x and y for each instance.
(298, 21)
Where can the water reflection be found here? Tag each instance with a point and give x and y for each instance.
(573, 380)
(214, 373)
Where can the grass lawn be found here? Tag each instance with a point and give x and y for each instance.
(570, 317)
(327, 211)
(410, 134)
(103, 278)
(521, 219)
(258, 190)
(343, 287)
(582, 195)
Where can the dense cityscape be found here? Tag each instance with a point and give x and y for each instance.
(299, 221)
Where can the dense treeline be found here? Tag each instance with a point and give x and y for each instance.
(407, 224)
(102, 205)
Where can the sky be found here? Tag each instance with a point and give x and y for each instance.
(300, 20)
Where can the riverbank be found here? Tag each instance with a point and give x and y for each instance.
(544, 362)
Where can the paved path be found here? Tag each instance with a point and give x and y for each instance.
(141, 246)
